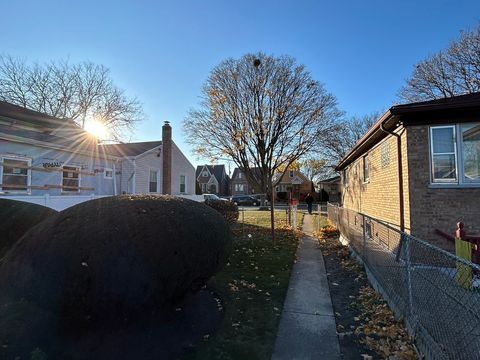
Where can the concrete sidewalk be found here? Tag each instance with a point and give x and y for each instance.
(307, 327)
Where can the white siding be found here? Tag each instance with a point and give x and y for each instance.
(143, 164)
(181, 166)
(126, 178)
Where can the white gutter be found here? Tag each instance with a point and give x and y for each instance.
(55, 147)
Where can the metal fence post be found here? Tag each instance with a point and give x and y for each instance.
(318, 217)
(408, 263)
(364, 227)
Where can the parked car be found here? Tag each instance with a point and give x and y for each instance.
(245, 200)
(212, 197)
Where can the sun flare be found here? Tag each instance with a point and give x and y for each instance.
(97, 129)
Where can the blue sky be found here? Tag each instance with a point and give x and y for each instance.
(162, 51)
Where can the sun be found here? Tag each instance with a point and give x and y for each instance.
(97, 129)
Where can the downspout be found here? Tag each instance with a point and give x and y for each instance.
(114, 179)
(400, 174)
(133, 175)
(129, 181)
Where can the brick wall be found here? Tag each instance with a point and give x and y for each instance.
(436, 208)
(379, 197)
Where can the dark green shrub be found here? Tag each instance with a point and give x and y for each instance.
(17, 218)
(112, 260)
(226, 208)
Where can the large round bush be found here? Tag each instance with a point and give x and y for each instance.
(115, 259)
(227, 209)
(17, 218)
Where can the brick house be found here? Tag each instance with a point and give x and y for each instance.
(292, 182)
(241, 186)
(212, 179)
(418, 168)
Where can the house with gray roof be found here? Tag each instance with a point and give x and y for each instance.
(54, 162)
(213, 179)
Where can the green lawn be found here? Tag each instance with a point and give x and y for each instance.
(253, 286)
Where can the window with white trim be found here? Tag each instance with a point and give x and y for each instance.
(239, 187)
(204, 188)
(205, 174)
(153, 183)
(16, 176)
(182, 184)
(108, 173)
(455, 154)
(70, 178)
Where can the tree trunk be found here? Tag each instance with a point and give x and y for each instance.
(272, 213)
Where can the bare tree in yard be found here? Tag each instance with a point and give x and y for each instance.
(450, 72)
(263, 112)
(76, 91)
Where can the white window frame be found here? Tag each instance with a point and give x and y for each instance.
(105, 173)
(184, 184)
(78, 168)
(460, 180)
(443, 181)
(239, 175)
(158, 180)
(239, 187)
(29, 174)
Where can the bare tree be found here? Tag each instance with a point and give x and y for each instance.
(450, 72)
(339, 142)
(263, 112)
(76, 91)
(312, 168)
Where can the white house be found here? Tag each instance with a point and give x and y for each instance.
(54, 162)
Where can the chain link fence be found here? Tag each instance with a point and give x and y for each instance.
(434, 291)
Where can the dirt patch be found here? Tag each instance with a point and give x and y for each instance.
(365, 325)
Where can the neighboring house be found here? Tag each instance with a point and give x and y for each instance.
(418, 168)
(241, 186)
(329, 189)
(213, 179)
(56, 163)
(293, 184)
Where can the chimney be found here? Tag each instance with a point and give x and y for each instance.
(167, 158)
